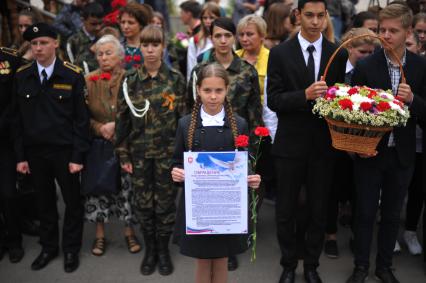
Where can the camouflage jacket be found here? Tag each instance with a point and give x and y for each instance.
(78, 51)
(152, 136)
(244, 90)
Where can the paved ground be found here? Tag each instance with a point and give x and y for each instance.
(117, 265)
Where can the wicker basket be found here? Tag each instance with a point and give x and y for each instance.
(356, 138)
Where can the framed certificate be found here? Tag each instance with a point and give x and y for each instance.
(216, 192)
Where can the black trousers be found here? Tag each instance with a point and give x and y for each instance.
(342, 189)
(48, 164)
(379, 178)
(415, 196)
(291, 174)
(9, 201)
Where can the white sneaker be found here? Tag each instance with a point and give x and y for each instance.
(397, 248)
(410, 239)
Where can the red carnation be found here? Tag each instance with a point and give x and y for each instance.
(128, 58)
(94, 78)
(115, 4)
(111, 18)
(365, 106)
(383, 106)
(137, 58)
(352, 91)
(346, 104)
(261, 132)
(330, 96)
(105, 76)
(242, 141)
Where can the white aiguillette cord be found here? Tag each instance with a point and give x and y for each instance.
(194, 86)
(136, 112)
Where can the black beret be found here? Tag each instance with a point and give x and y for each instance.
(39, 30)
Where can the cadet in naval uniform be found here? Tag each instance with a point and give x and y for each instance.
(51, 131)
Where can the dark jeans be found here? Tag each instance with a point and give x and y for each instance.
(415, 196)
(48, 163)
(291, 175)
(379, 178)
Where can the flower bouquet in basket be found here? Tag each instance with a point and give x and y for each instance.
(359, 116)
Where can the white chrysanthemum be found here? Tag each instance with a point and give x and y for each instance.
(342, 91)
(357, 99)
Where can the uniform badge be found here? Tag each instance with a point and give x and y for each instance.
(168, 100)
(62, 86)
(35, 29)
(5, 68)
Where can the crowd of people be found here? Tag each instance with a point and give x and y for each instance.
(103, 102)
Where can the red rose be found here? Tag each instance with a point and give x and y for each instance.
(352, 91)
(261, 132)
(94, 78)
(105, 76)
(346, 104)
(137, 58)
(383, 106)
(128, 58)
(242, 141)
(365, 106)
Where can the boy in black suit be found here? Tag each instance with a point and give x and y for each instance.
(385, 176)
(302, 144)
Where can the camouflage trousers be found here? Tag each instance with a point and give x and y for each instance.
(154, 196)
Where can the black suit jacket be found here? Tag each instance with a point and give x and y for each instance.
(300, 133)
(373, 72)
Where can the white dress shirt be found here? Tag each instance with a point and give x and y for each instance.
(269, 117)
(349, 66)
(212, 120)
(48, 69)
(316, 54)
(193, 52)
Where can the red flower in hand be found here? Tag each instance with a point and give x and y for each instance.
(137, 58)
(128, 58)
(346, 104)
(115, 4)
(365, 106)
(242, 141)
(94, 78)
(105, 76)
(111, 18)
(261, 132)
(383, 106)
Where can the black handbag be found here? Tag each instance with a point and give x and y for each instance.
(101, 174)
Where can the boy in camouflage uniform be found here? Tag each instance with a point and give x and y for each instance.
(79, 45)
(149, 105)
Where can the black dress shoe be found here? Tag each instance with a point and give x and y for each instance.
(42, 260)
(30, 228)
(359, 275)
(385, 275)
(311, 276)
(71, 262)
(232, 263)
(16, 254)
(288, 276)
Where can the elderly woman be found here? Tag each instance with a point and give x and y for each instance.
(103, 86)
(251, 32)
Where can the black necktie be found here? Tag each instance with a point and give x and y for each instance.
(311, 63)
(44, 81)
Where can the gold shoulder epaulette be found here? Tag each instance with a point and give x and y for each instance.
(73, 67)
(9, 51)
(23, 67)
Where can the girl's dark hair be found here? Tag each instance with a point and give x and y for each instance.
(275, 17)
(420, 17)
(209, 71)
(225, 23)
(141, 12)
(35, 16)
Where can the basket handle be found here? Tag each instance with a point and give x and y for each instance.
(403, 80)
